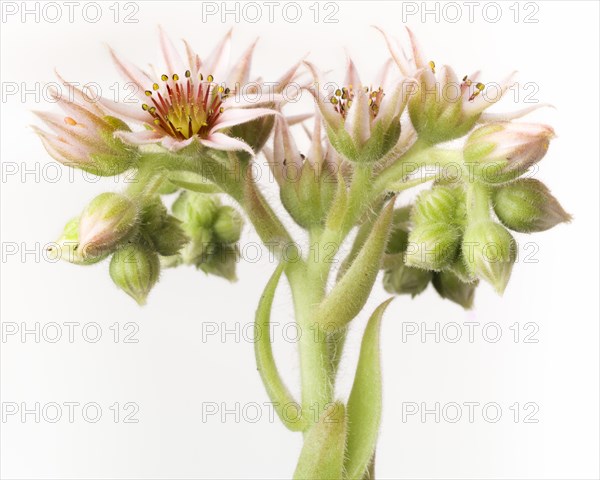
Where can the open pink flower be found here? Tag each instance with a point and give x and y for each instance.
(188, 102)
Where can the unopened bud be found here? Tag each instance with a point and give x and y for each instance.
(406, 280)
(398, 237)
(489, 252)
(228, 224)
(222, 262)
(67, 246)
(444, 204)
(432, 246)
(163, 232)
(109, 220)
(135, 270)
(450, 286)
(526, 205)
(196, 209)
(501, 152)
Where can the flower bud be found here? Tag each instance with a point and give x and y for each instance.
(450, 286)
(228, 225)
(135, 270)
(526, 205)
(222, 262)
(432, 246)
(85, 139)
(67, 246)
(406, 280)
(201, 245)
(109, 220)
(398, 237)
(196, 209)
(443, 204)
(489, 252)
(163, 232)
(500, 152)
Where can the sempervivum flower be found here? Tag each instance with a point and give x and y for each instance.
(189, 101)
(442, 106)
(84, 137)
(363, 121)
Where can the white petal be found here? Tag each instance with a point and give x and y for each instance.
(220, 141)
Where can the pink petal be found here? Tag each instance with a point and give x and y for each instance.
(358, 120)
(144, 137)
(237, 116)
(172, 59)
(352, 77)
(417, 52)
(240, 73)
(331, 117)
(139, 78)
(487, 117)
(175, 145)
(193, 59)
(214, 64)
(220, 141)
(397, 55)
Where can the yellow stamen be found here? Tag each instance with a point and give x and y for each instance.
(70, 121)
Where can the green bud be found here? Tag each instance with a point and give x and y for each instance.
(489, 252)
(201, 245)
(135, 270)
(163, 232)
(526, 205)
(228, 224)
(443, 204)
(398, 238)
(67, 246)
(432, 246)
(196, 209)
(450, 286)
(108, 221)
(222, 262)
(406, 280)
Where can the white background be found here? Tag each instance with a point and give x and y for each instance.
(171, 373)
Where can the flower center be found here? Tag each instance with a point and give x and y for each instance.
(342, 99)
(186, 107)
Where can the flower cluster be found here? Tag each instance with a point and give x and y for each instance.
(193, 121)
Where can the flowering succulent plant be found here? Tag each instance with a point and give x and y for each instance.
(194, 134)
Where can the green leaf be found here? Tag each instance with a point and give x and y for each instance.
(364, 404)
(322, 456)
(349, 295)
(265, 362)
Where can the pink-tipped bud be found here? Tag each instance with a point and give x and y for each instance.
(108, 221)
(501, 152)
